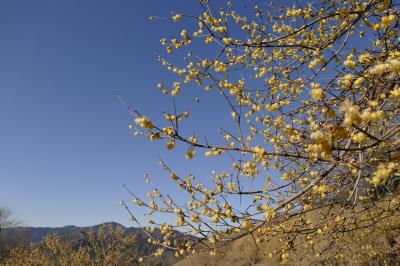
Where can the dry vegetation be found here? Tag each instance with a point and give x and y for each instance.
(377, 244)
(108, 246)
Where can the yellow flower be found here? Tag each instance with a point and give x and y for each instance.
(259, 151)
(358, 82)
(314, 63)
(193, 139)
(144, 122)
(364, 58)
(346, 81)
(185, 35)
(215, 218)
(208, 153)
(394, 65)
(177, 89)
(190, 154)
(229, 213)
(321, 189)
(168, 130)
(382, 173)
(174, 176)
(250, 169)
(247, 224)
(352, 115)
(395, 92)
(366, 115)
(379, 69)
(257, 198)
(177, 18)
(209, 39)
(359, 137)
(317, 93)
(212, 240)
(154, 136)
(318, 136)
(220, 66)
(232, 186)
(387, 20)
(170, 145)
(349, 62)
(195, 218)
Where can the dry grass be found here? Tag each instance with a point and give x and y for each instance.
(377, 244)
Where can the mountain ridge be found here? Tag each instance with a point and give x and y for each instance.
(35, 234)
(77, 235)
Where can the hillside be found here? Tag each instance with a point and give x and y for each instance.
(34, 235)
(29, 236)
(367, 243)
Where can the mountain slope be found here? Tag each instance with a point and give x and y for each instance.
(28, 236)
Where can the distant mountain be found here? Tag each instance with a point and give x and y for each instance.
(71, 233)
(34, 235)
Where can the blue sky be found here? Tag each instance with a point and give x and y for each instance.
(65, 146)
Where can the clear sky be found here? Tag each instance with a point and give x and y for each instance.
(65, 146)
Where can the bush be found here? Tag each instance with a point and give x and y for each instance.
(108, 246)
